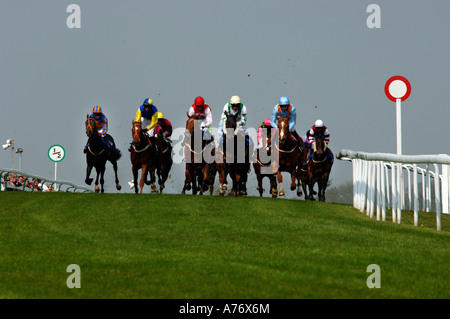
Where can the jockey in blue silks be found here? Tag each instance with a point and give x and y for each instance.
(285, 108)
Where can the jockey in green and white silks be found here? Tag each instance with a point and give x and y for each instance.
(233, 107)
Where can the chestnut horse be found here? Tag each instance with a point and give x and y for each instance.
(199, 155)
(290, 155)
(142, 157)
(98, 154)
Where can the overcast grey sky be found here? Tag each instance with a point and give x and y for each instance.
(321, 54)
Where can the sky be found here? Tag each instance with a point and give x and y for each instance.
(321, 54)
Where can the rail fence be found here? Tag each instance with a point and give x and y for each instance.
(37, 183)
(379, 183)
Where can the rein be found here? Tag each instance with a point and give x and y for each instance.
(95, 154)
(283, 151)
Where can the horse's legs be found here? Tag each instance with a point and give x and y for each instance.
(280, 182)
(114, 164)
(153, 180)
(221, 170)
(293, 173)
(144, 173)
(135, 177)
(88, 180)
(311, 188)
(102, 179)
(273, 185)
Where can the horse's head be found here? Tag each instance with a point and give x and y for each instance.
(193, 123)
(320, 145)
(91, 128)
(136, 132)
(231, 121)
(283, 128)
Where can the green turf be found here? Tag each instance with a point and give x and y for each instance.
(175, 246)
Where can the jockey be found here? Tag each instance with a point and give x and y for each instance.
(319, 128)
(101, 122)
(234, 107)
(163, 128)
(147, 115)
(259, 134)
(204, 111)
(285, 108)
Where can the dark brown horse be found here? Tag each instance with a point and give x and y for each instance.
(165, 160)
(142, 157)
(289, 155)
(265, 166)
(319, 168)
(234, 162)
(199, 155)
(98, 154)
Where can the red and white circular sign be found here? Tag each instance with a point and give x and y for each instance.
(397, 87)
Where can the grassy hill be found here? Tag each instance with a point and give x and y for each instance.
(175, 246)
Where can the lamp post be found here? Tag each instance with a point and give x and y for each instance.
(20, 151)
(10, 143)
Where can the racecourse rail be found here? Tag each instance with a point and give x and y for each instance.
(371, 183)
(60, 186)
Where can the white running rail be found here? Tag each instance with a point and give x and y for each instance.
(373, 184)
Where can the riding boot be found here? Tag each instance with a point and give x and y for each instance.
(131, 146)
(86, 148)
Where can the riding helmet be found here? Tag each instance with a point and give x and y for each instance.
(97, 109)
(160, 115)
(284, 101)
(318, 123)
(148, 101)
(199, 101)
(235, 100)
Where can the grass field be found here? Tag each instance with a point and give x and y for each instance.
(175, 246)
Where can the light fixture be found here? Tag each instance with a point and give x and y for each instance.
(9, 143)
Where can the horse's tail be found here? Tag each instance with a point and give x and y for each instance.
(117, 154)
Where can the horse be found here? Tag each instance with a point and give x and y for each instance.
(231, 162)
(164, 163)
(199, 173)
(98, 154)
(319, 168)
(142, 157)
(289, 155)
(262, 167)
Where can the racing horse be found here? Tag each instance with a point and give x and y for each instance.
(199, 156)
(264, 165)
(142, 157)
(98, 154)
(235, 161)
(319, 167)
(289, 155)
(164, 160)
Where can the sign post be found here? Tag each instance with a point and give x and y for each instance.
(56, 153)
(398, 89)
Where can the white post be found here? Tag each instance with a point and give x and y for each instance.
(437, 190)
(399, 193)
(383, 191)
(445, 189)
(398, 105)
(56, 169)
(416, 197)
(394, 194)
